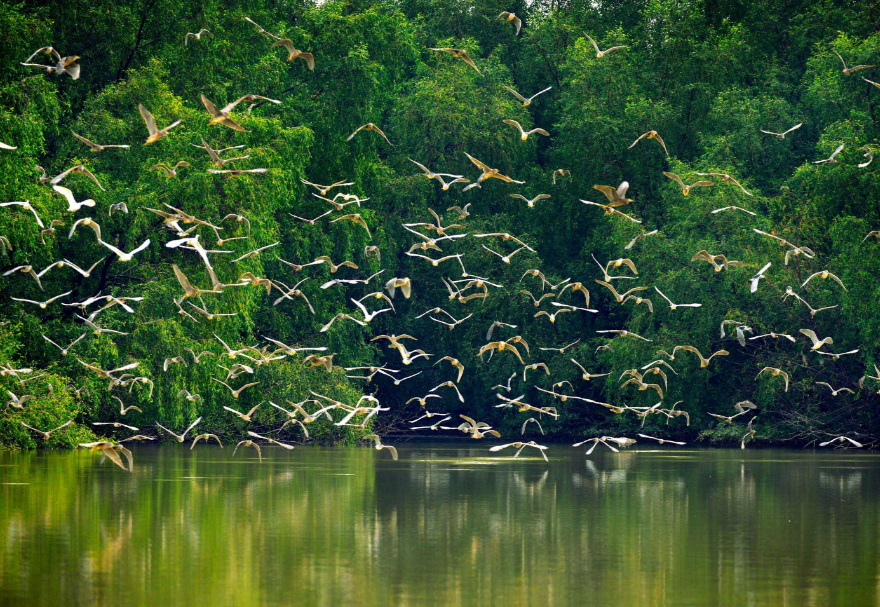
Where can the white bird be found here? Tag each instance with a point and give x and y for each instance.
(817, 343)
(42, 304)
(69, 347)
(782, 135)
(526, 101)
(179, 437)
(757, 277)
(379, 446)
(523, 134)
(833, 391)
(520, 446)
(601, 53)
(122, 255)
(196, 36)
(841, 439)
(662, 440)
(448, 384)
(833, 157)
(531, 203)
(26, 204)
(72, 204)
(83, 273)
(824, 274)
(673, 306)
(244, 416)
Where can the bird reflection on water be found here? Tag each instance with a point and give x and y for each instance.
(353, 526)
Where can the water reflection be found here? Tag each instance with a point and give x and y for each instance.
(444, 525)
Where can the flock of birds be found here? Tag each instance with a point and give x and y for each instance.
(429, 236)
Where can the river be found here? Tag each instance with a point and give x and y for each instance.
(447, 524)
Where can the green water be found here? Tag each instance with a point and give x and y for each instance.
(445, 525)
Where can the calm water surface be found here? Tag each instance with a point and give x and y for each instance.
(445, 525)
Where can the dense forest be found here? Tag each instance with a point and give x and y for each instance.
(708, 76)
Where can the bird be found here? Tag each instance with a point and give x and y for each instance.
(448, 384)
(757, 277)
(122, 255)
(18, 401)
(111, 451)
(221, 116)
(236, 393)
(662, 441)
(293, 53)
(651, 135)
(675, 306)
(849, 70)
(616, 196)
(455, 363)
(155, 133)
(46, 435)
(207, 438)
(523, 134)
(734, 208)
(459, 54)
(618, 296)
(244, 416)
(526, 101)
(94, 147)
(774, 372)
(237, 172)
(534, 367)
(833, 391)
(174, 360)
(435, 426)
(116, 425)
(270, 440)
(25, 204)
(530, 203)
(511, 18)
(561, 173)
(842, 439)
(404, 284)
(833, 157)
(500, 346)
(422, 400)
(316, 361)
(686, 189)
(869, 154)
(169, 171)
(379, 446)
(42, 304)
(505, 258)
(311, 222)
(725, 264)
(520, 446)
(123, 409)
(601, 53)
(728, 179)
(369, 127)
(871, 82)
(69, 347)
(783, 134)
(248, 443)
(78, 169)
(107, 374)
(750, 434)
(824, 274)
(256, 252)
(325, 189)
(196, 36)
(179, 437)
(704, 362)
(89, 223)
(476, 429)
(817, 343)
(552, 317)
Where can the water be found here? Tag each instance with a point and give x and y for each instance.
(445, 525)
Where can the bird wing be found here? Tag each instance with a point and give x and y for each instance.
(148, 119)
